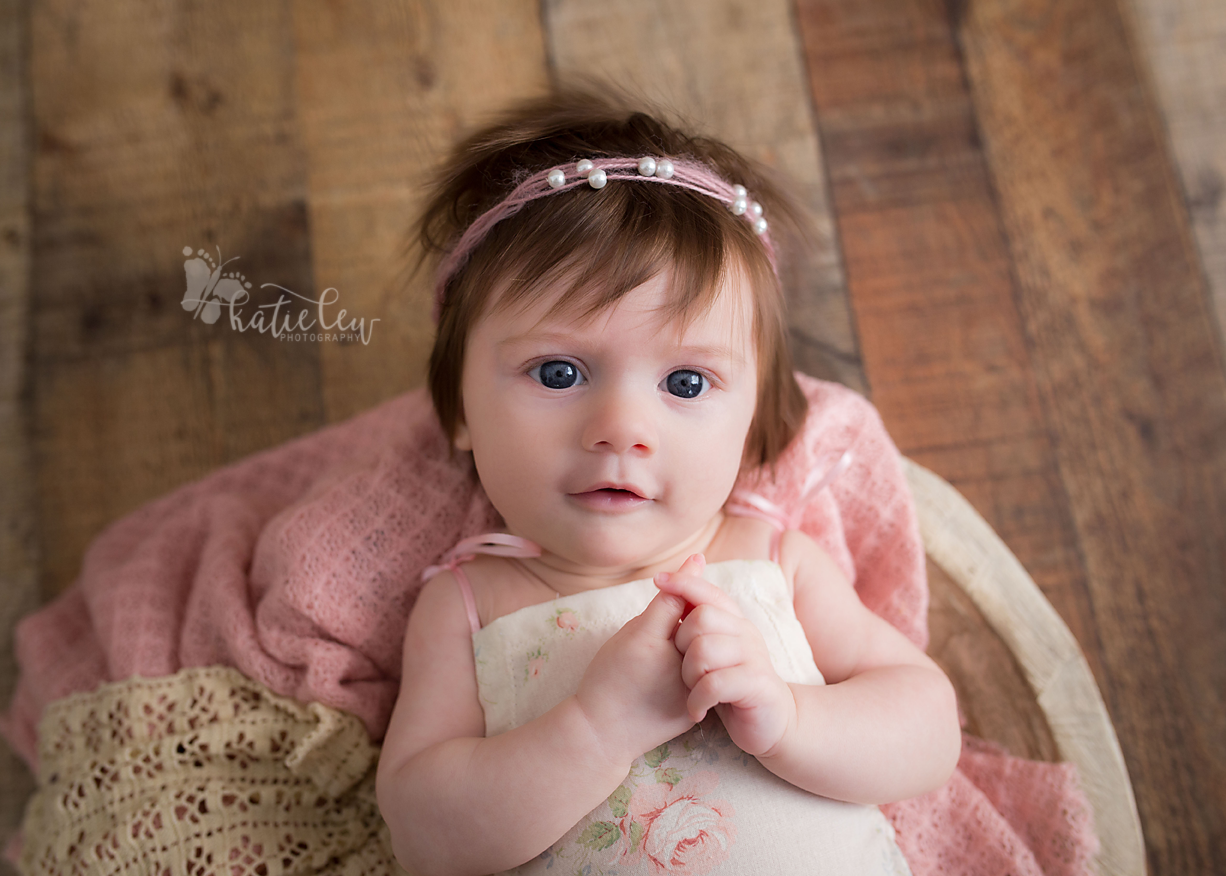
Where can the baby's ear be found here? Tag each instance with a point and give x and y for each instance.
(462, 440)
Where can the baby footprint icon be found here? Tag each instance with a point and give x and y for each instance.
(206, 287)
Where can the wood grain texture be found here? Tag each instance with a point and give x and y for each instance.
(383, 90)
(1129, 373)
(1184, 42)
(930, 276)
(962, 544)
(994, 695)
(731, 69)
(158, 127)
(19, 593)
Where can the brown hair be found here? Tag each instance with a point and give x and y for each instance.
(605, 246)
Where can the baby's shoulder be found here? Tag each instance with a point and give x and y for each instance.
(440, 609)
(806, 564)
(800, 558)
(500, 586)
(741, 538)
(458, 602)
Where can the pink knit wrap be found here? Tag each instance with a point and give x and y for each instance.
(299, 565)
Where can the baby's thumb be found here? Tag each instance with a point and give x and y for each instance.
(662, 614)
(693, 565)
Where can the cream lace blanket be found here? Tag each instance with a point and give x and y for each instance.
(203, 772)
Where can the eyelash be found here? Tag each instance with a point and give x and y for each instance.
(537, 372)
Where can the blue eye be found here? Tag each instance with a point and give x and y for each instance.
(686, 384)
(559, 375)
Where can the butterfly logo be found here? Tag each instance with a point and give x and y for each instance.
(206, 287)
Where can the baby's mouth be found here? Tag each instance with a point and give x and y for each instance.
(610, 498)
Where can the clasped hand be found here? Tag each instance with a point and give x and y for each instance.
(690, 650)
(726, 665)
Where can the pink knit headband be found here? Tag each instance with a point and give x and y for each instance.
(596, 173)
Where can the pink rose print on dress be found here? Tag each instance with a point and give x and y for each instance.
(567, 620)
(683, 831)
(535, 663)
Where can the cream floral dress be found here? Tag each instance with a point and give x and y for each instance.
(697, 804)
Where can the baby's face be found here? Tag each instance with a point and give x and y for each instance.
(610, 441)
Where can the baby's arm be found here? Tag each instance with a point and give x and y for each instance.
(456, 802)
(883, 728)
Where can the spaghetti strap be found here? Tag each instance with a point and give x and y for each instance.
(466, 590)
(743, 503)
(498, 544)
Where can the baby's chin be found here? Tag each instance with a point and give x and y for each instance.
(616, 559)
(604, 563)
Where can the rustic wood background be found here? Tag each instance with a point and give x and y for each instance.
(1022, 260)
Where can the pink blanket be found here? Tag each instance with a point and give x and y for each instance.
(298, 566)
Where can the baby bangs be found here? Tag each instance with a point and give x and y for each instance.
(598, 245)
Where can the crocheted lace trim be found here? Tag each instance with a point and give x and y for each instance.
(202, 772)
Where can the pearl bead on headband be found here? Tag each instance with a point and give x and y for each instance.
(597, 173)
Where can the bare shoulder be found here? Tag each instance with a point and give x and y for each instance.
(740, 538)
(500, 586)
(438, 697)
(439, 612)
(438, 640)
(845, 636)
(806, 566)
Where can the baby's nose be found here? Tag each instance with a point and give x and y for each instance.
(620, 422)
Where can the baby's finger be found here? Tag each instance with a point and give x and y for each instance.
(693, 565)
(708, 620)
(710, 654)
(696, 591)
(736, 685)
(662, 614)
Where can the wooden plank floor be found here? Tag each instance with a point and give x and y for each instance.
(1018, 251)
(19, 567)
(1183, 43)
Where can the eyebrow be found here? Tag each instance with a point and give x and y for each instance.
(532, 336)
(562, 339)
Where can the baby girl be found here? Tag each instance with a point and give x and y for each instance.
(632, 677)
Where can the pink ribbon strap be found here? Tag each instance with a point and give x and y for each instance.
(494, 544)
(743, 503)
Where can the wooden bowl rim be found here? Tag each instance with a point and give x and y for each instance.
(962, 543)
